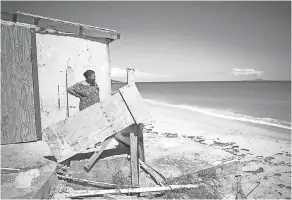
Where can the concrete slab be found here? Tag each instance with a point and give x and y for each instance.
(38, 171)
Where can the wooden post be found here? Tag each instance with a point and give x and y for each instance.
(130, 76)
(67, 96)
(139, 128)
(134, 137)
(141, 142)
(134, 159)
(59, 103)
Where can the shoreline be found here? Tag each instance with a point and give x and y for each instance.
(194, 141)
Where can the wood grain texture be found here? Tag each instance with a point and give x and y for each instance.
(133, 97)
(141, 151)
(134, 160)
(98, 33)
(17, 95)
(93, 159)
(36, 84)
(62, 26)
(89, 126)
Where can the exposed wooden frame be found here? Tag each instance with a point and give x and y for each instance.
(93, 159)
(36, 84)
(72, 29)
(134, 159)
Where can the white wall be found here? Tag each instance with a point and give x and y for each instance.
(55, 54)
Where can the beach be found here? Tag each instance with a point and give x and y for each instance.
(241, 128)
(180, 142)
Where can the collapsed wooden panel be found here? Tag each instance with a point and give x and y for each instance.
(132, 97)
(17, 95)
(91, 125)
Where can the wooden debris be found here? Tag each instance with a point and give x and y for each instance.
(88, 165)
(134, 159)
(96, 123)
(85, 193)
(253, 189)
(93, 183)
(9, 170)
(154, 175)
(141, 151)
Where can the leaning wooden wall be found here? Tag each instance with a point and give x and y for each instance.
(19, 110)
(56, 54)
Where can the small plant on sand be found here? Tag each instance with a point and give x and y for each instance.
(120, 179)
(237, 188)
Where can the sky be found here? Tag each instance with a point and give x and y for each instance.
(186, 41)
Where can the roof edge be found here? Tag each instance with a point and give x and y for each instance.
(76, 29)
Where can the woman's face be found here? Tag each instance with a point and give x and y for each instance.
(91, 78)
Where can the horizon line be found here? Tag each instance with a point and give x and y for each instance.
(204, 81)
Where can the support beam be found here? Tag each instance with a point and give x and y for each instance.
(134, 160)
(130, 76)
(157, 178)
(141, 152)
(93, 159)
(69, 28)
(138, 128)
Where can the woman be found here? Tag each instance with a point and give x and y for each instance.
(87, 91)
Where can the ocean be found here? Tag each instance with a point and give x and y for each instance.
(260, 102)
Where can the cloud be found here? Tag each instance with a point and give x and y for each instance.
(119, 73)
(246, 72)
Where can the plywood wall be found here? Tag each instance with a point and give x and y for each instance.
(56, 54)
(18, 123)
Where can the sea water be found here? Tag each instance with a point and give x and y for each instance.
(259, 102)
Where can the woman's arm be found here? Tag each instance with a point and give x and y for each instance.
(72, 91)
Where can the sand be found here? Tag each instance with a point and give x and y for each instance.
(179, 142)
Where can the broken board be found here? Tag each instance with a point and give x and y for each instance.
(96, 123)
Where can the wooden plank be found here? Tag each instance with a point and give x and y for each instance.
(90, 126)
(134, 160)
(87, 193)
(67, 27)
(97, 33)
(138, 128)
(92, 183)
(9, 170)
(130, 76)
(59, 25)
(36, 84)
(141, 151)
(26, 19)
(149, 170)
(93, 159)
(109, 68)
(124, 137)
(17, 97)
(132, 97)
(7, 16)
